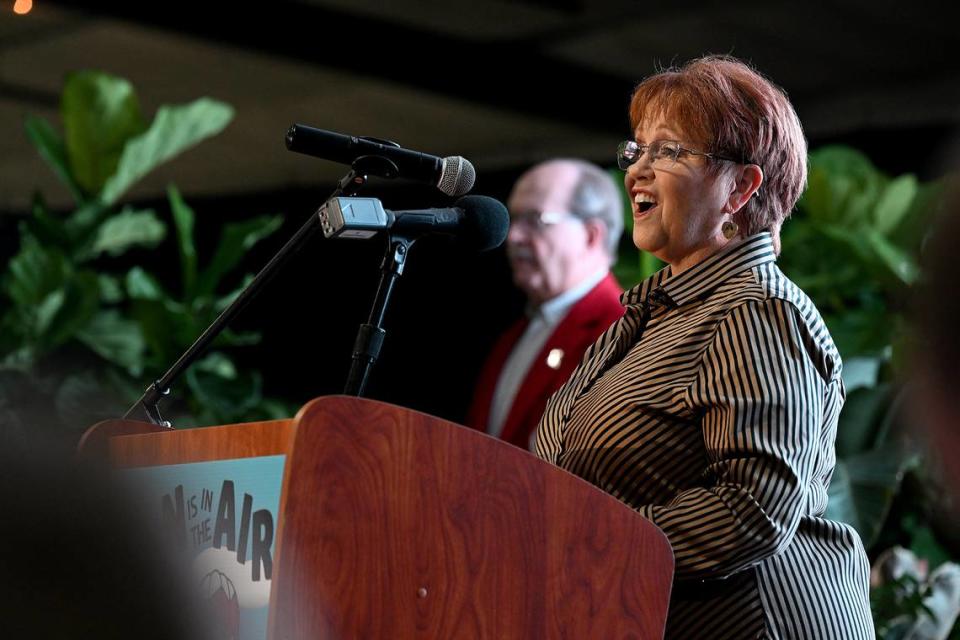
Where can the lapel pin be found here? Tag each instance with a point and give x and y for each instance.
(554, 358)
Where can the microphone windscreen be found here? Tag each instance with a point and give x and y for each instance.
(485, 222)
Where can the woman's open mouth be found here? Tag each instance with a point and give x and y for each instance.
(644, 204)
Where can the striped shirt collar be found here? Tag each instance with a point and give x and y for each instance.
(700, 280)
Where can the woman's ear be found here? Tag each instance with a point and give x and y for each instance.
(746, 182)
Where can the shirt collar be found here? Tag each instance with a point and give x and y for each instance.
(663, 288)
(555, 308)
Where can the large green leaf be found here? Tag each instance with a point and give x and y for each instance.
(52, 149)
(48, 229)
(33, 283)
(82, 225)
(915, 225)
(174, 130)
(235, 241)
(843, 186)
(863, 487)
(143, 286)
(35, 272)
(183, 218)
(859, 332)
(116, 339)
(924, 543)
(100, 114)
(852, 238)
(217, 364)
(51, 300)
(17, 356)
(900, 265)
(46, 312)
(876, 257)
(222, 302)
(63, 313)
(111, 292)
(224, 394)
(809, 269)
(161, 325)
(894, 203)
(127, 229)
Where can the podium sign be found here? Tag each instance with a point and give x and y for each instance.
(222, 515)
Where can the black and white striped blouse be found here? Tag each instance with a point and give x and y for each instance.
(711, 408)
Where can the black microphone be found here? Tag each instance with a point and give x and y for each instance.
(454, 175)
(479, 222)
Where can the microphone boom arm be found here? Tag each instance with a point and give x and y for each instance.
(158, 389)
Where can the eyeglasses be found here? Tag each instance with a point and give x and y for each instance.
(539, 220)
(663, 154)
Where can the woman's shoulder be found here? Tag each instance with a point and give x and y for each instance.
(765, 283)
(775, 285)
(767, 288)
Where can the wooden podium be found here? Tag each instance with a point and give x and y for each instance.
(395, 524)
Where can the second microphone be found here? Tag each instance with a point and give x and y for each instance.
(480, 222)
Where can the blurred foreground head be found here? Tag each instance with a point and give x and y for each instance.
(937, 362)
(77, 561)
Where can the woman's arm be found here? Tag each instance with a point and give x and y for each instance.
(763, 402)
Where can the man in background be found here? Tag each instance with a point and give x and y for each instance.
(566, 217)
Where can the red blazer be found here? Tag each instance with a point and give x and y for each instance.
(579, 329)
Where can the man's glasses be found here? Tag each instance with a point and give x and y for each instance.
(539, 220)
(663, 153)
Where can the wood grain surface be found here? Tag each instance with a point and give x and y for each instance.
(400, 525)
(137, 444)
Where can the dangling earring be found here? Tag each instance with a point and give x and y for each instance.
(729, 229)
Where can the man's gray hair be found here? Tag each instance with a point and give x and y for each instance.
(596, 196)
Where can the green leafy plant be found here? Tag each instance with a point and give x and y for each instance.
(168, 323)
(852, 247)
(909, 600)
(897, 605)
(80, 330)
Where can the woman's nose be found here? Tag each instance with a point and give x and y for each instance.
(641, 168)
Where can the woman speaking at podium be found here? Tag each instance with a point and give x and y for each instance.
(711, 407)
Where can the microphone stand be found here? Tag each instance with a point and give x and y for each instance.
(366, 348)
(349, 185)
